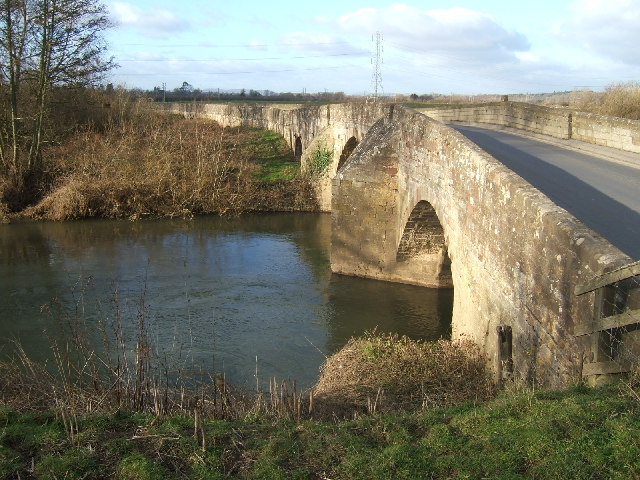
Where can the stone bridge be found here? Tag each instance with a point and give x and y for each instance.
(417, 202)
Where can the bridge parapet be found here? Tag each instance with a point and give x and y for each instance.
(417, 202)
(613, 132)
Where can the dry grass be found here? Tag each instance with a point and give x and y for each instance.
(115, 366)
(382, 372)
(156, 165)
(127, 372)
(618, 100)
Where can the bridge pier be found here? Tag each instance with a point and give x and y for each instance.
(418, 203)
(366, 241)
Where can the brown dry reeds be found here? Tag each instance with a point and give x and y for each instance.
(618, 100)
(112, 364)
(159, 165)
(382, 372)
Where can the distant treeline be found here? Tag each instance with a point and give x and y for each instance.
(187, 93)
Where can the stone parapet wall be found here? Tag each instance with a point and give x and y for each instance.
(541, 120)
(559, 123)
(613, 132)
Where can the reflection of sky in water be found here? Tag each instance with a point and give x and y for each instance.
(214, 293)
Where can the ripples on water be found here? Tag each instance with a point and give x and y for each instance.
(215, 292)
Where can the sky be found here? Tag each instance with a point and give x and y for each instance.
(464, 47)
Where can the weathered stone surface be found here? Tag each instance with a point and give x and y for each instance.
(560, 123)
(515, 257)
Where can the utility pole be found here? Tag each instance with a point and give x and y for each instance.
(376, 61)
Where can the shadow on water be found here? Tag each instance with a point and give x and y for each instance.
(215, 292)
(417, 312)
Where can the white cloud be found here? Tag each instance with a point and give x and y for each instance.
(256, 45)
(465, 33)
(155, 23)
(609, 28)
(320, 44)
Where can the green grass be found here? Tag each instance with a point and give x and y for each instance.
(579, 433)
(273, 155)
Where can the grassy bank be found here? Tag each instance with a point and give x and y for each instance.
(580, 433)
(156, 165)
(112, 416)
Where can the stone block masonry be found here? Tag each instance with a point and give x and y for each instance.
(559, 123)
(511, 255)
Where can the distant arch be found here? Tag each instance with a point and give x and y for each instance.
(348, 149)
(297, 149)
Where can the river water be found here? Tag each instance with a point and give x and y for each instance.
(225, 294)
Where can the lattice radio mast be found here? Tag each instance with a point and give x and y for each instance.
(376, 61)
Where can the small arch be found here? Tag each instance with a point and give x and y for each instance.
(297, 150)
(423, 236)
(422, 233)
(348, 149)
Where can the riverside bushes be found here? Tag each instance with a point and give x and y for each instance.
(162, 166)
(618, 100)
(122, 160)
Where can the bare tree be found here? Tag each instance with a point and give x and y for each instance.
(44, 45)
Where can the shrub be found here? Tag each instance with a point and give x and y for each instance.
(160, 166)
(320, 159)
(618, 100)
(390, 372)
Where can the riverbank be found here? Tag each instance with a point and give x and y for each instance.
(155, 165)
(575, 434)
(126, 422)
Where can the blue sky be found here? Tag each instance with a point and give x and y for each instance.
(440, 46)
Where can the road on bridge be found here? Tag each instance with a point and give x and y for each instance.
(603, 194)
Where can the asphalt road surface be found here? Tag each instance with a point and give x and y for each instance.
(603, 194)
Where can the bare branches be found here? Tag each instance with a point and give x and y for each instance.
(44, 44)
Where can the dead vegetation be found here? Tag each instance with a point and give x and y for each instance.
(115, 158)
(620, 100)
(388, 372)
(113, 365)
(161, 166)
(370, 374)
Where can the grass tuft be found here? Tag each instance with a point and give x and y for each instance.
(382, 372)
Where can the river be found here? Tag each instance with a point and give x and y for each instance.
(225, 294)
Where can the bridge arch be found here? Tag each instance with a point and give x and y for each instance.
(423, 242)
(348, 149)
(510, 248)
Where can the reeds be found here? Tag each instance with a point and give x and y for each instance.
(110, 364)
(379, 372)
(617, 100)
(159, 165)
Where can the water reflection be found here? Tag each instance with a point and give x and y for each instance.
(214, 292)
(405, 309)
